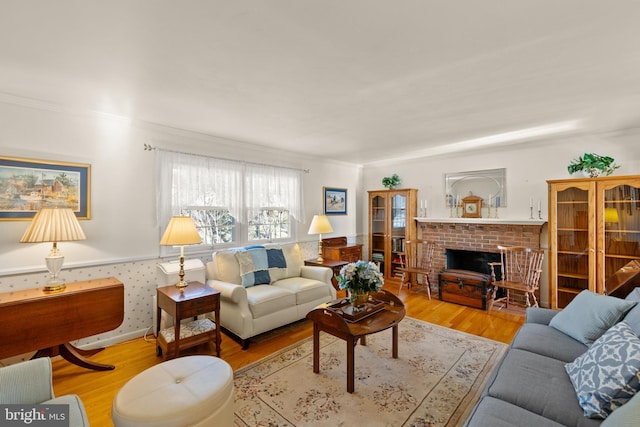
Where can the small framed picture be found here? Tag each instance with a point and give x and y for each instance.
(335, 201)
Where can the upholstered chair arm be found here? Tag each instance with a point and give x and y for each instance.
(77, 412)
(27, 382)
(540, 315)
(322, 274)
(229, 291)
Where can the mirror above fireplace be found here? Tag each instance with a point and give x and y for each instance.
(482, 183)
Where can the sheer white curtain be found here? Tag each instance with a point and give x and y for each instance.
(187, 181)
(191, 181)
(273, 187)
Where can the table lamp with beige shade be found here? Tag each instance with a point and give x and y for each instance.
(320, 225)
(54, 225)
(181, 231)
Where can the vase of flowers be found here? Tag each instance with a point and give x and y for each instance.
(359, 278)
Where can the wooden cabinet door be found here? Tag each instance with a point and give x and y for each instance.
(391, 223)
(572, 240)
(618, 231)
(378, 241)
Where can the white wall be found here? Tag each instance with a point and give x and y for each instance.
(123, 217)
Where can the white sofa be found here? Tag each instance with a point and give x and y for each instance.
(290, 292)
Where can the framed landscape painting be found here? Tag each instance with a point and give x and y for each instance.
(27, 185)
(335, 201)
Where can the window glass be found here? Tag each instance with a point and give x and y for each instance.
(215, 225)
(269, 225)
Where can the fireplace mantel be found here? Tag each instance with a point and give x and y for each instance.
(489, 221)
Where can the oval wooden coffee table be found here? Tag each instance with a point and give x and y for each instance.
(384, 312)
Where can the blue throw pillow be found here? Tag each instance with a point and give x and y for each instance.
(277, 264)
(608, 374)
(625, 416)
(589, 315)
(254, 266)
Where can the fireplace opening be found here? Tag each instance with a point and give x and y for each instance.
(472, 260)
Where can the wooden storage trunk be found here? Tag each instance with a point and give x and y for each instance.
(465, 287)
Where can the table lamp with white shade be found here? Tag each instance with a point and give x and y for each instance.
(54, 225)
(320, 225)
(181, 231)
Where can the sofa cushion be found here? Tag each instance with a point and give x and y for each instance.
(294, 259)
(492, 412)
(305, 290)
(547, 341)
(540, 385)
(608, 375)
(266, 299)
(633, 316)
(589, 316)
(625, 416)
(225, 267)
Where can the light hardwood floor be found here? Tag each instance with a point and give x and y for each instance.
(98, 389)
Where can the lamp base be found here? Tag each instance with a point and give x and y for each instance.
(54, 285)
(181, 285)
(320, 260)
(54, 262)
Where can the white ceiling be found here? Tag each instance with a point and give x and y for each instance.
(356, 80)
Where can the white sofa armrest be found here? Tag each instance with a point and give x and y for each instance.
(322, 274)
(229, 291)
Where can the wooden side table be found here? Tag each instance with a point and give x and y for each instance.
(196, 299)
(329, 263)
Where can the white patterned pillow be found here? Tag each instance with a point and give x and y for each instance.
(608, 374)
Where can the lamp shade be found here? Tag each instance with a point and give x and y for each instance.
(611, 215)
(181, 231)
(320, 225)
(53, 225)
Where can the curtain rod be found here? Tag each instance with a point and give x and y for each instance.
(149, 147)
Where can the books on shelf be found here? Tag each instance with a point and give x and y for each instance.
(397, 244)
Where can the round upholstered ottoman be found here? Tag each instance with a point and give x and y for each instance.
(187, 391)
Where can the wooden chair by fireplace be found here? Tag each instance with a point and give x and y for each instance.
(520, 271)
(416, 261)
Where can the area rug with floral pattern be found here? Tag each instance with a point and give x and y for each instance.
(435, 381)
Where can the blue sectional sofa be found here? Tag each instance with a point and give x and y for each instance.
(531, 386)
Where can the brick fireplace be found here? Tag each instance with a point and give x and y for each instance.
(476, 235)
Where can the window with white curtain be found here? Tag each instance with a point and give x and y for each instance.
(232, 203)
